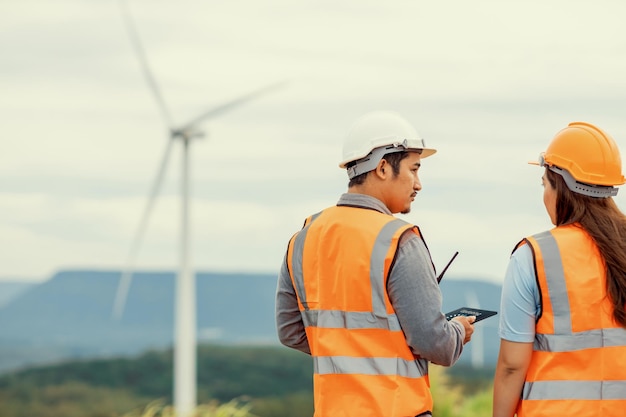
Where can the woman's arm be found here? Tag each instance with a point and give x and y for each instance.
(511, 368)
(519, 309)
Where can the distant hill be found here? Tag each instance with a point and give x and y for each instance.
(11, 289)
(69, 315)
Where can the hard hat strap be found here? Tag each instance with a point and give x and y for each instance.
(599, 191)
(370, 162)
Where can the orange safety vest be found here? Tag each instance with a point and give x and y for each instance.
(339, 264)
(578, 364)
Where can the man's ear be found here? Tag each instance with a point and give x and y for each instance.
(382, 169)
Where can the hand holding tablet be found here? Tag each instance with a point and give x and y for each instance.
(466, 311)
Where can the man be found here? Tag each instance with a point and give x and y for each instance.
(357, 290)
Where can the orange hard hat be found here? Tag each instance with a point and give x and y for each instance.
(587, 153)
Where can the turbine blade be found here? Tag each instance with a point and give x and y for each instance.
(143, 62)
(472, 299)
(125, 278)
(233, 103)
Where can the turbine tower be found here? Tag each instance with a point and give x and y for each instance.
(478, 345)
(185, 378)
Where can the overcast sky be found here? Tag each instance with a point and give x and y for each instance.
(487, 83)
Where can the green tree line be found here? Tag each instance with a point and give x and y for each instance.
(270, 381)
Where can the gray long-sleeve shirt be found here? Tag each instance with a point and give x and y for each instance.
(413, 291)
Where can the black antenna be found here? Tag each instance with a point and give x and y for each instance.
(440, 277)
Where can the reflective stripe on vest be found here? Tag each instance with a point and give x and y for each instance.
(368, 366)
(296, 263)
(578, 354)
(581, 340)
(556, 284)
(575, 390)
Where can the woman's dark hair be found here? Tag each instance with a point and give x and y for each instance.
(392, 158)
(606, 225)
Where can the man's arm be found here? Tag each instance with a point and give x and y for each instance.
(416, 298)
(289, 323)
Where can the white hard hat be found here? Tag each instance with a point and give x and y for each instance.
(376, 134)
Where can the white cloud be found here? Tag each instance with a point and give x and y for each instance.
(487, 83)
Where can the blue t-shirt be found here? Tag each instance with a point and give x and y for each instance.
(520, 302)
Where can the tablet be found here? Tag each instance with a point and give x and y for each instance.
(466, 311)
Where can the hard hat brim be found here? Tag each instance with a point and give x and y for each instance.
(425, 153)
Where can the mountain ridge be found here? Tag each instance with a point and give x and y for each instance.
(69, 315)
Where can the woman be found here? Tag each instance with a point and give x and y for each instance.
(563, 307)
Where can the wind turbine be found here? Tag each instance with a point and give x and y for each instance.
(478, 345)
(185, 380)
